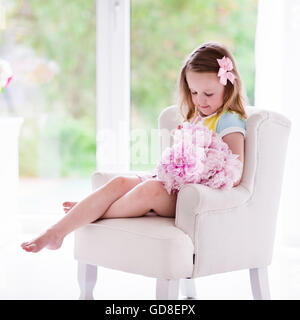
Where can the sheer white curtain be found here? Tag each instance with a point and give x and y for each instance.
(277, 88)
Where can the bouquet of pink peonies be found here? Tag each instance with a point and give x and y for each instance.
(198, 155)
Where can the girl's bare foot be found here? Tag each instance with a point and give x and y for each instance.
(68, 206)
(49, 239)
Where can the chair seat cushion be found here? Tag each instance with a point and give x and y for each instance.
(150, 245)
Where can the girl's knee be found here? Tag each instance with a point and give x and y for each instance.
(151, 188)
(123, 183)
(118, 180)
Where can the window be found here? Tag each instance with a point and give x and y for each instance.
(54, 91)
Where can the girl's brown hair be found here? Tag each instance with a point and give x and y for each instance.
(204, 59)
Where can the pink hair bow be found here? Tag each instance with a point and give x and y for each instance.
(224, 72)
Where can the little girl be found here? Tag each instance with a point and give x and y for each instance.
(209, 90)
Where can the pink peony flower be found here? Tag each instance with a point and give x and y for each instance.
(198, 155)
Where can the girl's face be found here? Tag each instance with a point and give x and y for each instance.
(206, 91)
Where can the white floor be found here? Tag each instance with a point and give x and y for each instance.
(52, 275)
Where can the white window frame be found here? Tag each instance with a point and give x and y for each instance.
(113, 85)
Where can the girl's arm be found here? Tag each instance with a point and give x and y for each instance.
(235, 142)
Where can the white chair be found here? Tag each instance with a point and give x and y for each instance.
(214, 231)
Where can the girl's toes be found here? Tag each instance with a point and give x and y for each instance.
(24, 244)
(29, 247)
(69, 204)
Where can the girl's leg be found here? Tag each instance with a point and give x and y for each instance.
(147, 195)
(126, 205)
(88, 210)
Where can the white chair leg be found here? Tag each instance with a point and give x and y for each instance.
(167, 289)
(87, 277)
(188, 288)
(260, 283)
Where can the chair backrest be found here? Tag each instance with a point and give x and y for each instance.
(266, 142)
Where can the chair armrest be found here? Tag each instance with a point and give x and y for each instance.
(225, 227)
(100, 178)
(197, 199)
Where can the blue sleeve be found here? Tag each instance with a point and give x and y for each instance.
(230, 122)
